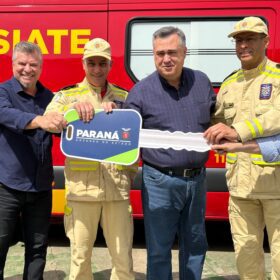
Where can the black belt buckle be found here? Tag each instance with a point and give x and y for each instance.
(190, 173)
(180, 172)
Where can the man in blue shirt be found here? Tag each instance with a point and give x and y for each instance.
(26, 171)
(173, 98)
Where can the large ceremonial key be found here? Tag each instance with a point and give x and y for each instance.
(116, 137)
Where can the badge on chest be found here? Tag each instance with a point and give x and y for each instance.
(265, 91)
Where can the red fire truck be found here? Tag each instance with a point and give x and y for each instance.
(62, 27)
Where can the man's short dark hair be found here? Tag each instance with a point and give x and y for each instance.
(166, 31)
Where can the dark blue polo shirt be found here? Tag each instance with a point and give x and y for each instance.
(25, 155)
(163, 107)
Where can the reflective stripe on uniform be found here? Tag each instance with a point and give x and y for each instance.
(83, 168)
(81, 165)
(258, 160)
(91, 165)
(120, 94)
(76, 91)
(67, 210)
(255, 127)
(251, 127)
(120, 167)
(271, 72)
(231, 157)
(259, 126)
(118, 90)
(84, 162)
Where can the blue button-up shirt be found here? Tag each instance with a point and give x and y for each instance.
(25, 155)
(270, 148)
(163, 107)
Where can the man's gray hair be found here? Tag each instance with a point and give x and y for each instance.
(166, 31)
(27, 47)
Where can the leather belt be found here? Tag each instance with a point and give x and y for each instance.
(178, 172)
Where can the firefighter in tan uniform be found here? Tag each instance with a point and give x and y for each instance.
(249, 106)
(96, 192)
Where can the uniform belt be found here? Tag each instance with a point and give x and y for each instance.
(178, 172)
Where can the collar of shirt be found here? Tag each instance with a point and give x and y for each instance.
(183, 84)
(255, 71)
(97, 90)
(19, 89)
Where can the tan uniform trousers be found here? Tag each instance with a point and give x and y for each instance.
(81, 228)
(248, 218)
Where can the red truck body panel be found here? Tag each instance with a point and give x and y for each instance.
(62, 27)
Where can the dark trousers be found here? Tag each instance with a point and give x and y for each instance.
(34, 210)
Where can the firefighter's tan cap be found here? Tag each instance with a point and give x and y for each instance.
(249, 24)
(97, 47)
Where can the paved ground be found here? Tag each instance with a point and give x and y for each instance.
(219, 262)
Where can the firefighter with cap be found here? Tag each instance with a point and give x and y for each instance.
(96, 193)
(248, 107)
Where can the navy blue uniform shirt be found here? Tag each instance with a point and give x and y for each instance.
(163, 107)
(25, 155)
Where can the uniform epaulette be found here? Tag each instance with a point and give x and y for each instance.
(75, 90)
(68, 87)
(232, 73)
(233, 76)
(272, 71)
(120, 88)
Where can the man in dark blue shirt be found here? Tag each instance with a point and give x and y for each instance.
(26, 171)
(173, 98)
